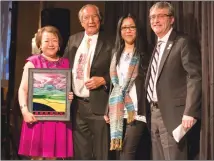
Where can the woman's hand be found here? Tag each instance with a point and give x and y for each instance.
(106, 118)
(70, 96)
(29, 117)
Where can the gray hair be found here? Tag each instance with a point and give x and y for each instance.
(162, 5)
(80, 14)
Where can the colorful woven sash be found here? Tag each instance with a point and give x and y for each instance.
(120, 99)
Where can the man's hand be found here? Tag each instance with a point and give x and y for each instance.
(95, 82)
(187, 121)
(106, 118)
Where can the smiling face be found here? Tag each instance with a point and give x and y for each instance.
(90, 20)
(49, 44)
(160, 20)
(128, 31)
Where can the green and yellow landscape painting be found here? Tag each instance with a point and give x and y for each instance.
(49, 92)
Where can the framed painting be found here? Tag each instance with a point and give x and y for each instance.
(48, 93)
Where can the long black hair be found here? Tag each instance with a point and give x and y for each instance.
(120, 43)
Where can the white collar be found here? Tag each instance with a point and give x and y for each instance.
(95, 36)
(166, 37)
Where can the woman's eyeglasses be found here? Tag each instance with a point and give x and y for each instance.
(131, 28)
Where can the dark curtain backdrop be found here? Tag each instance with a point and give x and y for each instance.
(207, 49)
(197, 20)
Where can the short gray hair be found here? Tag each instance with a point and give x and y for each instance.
(80, 14)
(162, 5)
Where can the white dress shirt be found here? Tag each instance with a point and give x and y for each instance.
(162, 48)
(78, 81)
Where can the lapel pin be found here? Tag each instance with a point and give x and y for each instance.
(169, 47)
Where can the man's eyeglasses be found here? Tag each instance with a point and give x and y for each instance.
(93, 17)
(159, 16)
(131, 28)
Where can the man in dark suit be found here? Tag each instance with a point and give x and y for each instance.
(173, 85)
(89, 53)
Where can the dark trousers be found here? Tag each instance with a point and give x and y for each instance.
(164, 147)
(136, 139)
(90, 135)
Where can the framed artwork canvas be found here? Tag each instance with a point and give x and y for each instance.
(48, 93)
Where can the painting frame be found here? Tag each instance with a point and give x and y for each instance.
(35, 93)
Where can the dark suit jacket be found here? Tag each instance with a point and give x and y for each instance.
(139, 83)
(100, 67)
(179, 87)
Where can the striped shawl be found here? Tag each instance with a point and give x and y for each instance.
(120, 99)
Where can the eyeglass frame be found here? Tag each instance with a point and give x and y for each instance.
(131, 28)
(159, 16)
(87, 18)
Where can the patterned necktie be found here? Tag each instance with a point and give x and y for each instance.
(154, 69)
(88, 41)
(89, 58)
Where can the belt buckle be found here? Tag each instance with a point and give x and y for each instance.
(85, 99)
